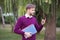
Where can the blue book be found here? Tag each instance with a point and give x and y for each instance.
(31, 28)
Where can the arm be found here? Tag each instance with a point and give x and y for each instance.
(18, 29)
(18, 26)
(38, 26)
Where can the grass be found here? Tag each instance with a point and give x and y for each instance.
(6, 34)
(58, 36)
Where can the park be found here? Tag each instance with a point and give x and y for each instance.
(11, 10)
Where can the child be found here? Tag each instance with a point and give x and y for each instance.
(26, 20)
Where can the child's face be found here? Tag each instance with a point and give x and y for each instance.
(31, 11)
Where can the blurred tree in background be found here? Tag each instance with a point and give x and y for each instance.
(18, 8)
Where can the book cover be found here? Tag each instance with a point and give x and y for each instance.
(31, 28)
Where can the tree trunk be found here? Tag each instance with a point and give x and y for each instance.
(14, 7)
(50, 32)
(3, 21)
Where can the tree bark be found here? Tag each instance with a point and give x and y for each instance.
(3, 21)
(50, 32)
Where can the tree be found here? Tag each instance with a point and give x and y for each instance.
(50, 33)
(1, 12)
(3, 21)
(14, 8)
(48, 8)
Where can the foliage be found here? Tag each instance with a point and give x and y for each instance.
(9, 19)
(43, 8)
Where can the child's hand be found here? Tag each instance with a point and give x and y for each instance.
(27, 34)
(43, 21)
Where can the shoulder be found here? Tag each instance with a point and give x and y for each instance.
(34, 18)
(21, 18)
